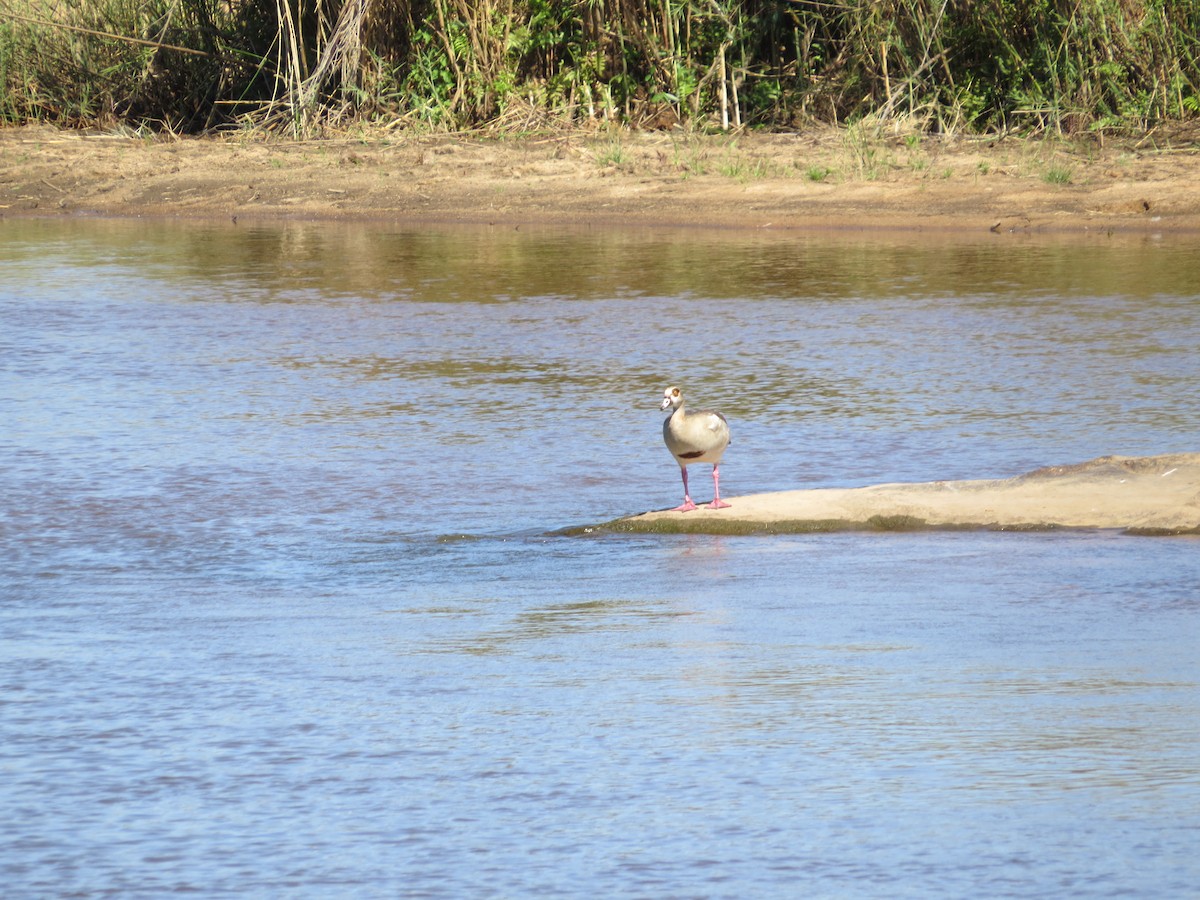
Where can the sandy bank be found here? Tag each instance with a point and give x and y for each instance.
(815, 180)
(1143, 495)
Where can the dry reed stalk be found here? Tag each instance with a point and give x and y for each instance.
(288, 66)
(105, 34)
(724, 88)
(341, 53)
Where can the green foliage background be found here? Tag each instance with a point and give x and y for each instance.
(304, 65)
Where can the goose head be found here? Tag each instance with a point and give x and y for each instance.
(672, 398)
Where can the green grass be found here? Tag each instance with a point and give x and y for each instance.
(745, 169)
(1057, 174)
(612, 155)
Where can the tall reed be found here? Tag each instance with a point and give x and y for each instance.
(301, 65)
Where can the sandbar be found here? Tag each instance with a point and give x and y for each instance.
(1149, 495)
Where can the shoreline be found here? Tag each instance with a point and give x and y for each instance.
(787, 183)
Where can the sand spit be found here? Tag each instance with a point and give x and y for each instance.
(1155, 495)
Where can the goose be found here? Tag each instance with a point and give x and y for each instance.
(694, 437)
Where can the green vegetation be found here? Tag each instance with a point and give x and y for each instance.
(612, 155)
(1062, 66)
(1057, 174)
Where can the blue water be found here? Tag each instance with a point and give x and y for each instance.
(283, 611)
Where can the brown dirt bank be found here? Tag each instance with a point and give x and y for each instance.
(1146, 495)
(823, 179)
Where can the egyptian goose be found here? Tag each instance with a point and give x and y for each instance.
(694, 437)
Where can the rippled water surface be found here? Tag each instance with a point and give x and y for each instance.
(283, 612)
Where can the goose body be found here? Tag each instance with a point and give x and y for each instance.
(694, 437)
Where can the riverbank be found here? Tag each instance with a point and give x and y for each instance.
(821, 179)
(1143, 495)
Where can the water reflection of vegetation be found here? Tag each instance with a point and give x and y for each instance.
(491, 265)
(498, 266)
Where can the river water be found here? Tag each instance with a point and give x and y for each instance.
(283, 611)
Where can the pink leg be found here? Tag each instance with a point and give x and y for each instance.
(717, 503)
(687, 505)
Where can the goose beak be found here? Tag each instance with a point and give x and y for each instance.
(666, 404)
